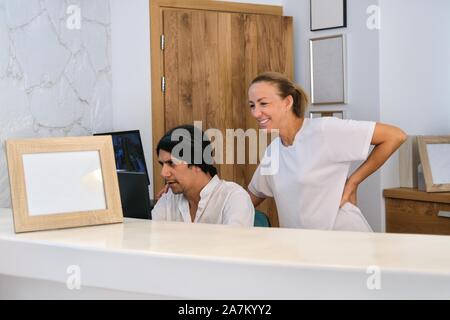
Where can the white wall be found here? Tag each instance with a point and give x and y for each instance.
(414, 70)
(54, 81)
(131, 76)
(363, 79)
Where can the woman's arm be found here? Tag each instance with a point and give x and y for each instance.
(162, 192)
(387, 139)
(255, 200)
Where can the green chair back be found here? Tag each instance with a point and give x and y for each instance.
(261, 219)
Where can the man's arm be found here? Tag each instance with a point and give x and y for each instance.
(239, 210)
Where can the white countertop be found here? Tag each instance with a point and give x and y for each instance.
(214, 261)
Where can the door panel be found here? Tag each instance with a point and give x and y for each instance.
(238, 89)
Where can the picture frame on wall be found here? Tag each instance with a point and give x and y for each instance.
(328, 64)
(327, 113)
(63, 183)
(328, 14)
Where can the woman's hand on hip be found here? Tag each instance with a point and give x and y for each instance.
(349, 194)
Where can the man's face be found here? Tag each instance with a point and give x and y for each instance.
(176, 173)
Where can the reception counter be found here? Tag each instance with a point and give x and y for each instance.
(160, 260)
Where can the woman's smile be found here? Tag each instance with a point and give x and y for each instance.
(263, 122)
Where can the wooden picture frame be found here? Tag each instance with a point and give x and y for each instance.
(434, 152)
(408, 156)
(327, 14)
(328, 68)
(63, 183)
(340, 114)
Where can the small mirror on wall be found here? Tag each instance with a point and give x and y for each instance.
(434, 152)
(63, 182)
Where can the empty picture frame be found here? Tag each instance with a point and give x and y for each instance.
(408, 155)
(328, 14)
(328, 70)
(63, 183)
(434, 152)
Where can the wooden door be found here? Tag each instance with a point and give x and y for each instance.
(209, 59)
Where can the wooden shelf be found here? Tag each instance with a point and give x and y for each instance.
(414, 194)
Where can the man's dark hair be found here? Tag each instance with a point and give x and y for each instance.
(191, 145)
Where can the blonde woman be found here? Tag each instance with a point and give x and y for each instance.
(312, 157)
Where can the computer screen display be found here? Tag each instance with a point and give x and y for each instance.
(128, 151)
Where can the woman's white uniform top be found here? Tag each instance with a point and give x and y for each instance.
(307, 178)
(221, 202)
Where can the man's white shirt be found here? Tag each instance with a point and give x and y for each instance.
(221, 202)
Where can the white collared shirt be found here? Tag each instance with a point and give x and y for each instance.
(221, 202)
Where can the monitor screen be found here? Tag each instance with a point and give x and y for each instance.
(128, 151)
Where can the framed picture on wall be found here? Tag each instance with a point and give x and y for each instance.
(328, 14)
(328, 113)
(328, 70)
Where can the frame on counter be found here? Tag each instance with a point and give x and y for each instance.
(434, 153)
(63, 183)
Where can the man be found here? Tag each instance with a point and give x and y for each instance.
(194, 192)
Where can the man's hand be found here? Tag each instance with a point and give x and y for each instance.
(349, 194)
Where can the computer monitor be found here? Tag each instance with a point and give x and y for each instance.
(128, 151)
(134, 195)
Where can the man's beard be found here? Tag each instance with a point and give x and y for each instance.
(175, 187)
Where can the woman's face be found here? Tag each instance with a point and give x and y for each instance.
(267, 107)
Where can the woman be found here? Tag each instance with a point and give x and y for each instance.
(312, 157)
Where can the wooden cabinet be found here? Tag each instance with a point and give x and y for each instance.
(412, 211)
